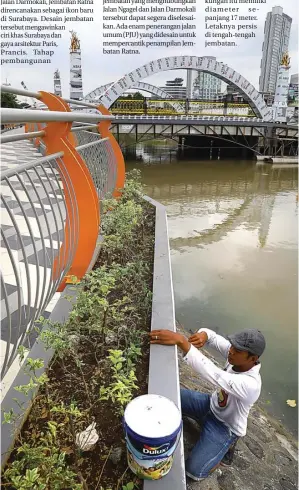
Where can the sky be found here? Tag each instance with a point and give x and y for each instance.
(99, 69)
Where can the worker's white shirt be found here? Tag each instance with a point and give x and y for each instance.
(236, 392)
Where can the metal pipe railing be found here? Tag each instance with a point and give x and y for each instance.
(82, 103)
(37, 95)
(92, 143)
(24, 116)
(27, 166)
(58, 242)
(40, 180)
(80, 128)
(21, 137)
(19, 91)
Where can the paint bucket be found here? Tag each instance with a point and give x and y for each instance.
(152, 426)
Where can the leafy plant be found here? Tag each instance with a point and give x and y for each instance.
(42, 466)
(129, 486)
(112, 306)
(31, 365)
(120, 390)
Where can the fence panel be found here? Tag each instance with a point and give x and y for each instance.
(33, 222)
(100, 160)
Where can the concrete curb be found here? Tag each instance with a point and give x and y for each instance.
(163, 367)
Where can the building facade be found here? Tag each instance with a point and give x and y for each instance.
(276, 42)
(293, 89)
(175, 88)
(206, 86)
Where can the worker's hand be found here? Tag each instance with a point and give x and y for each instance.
(167, 337)
(198, 339)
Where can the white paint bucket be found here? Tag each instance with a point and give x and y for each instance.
(152, 425)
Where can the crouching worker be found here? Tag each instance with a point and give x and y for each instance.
(222, 415)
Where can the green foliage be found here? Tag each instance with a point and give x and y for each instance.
(123, 221)
(9, 417)
(129, 486)
(56, 337)
(113, 302)
(120, 390)
(72, 410)
(135, 96)
(42, 466)
(22, 352)
(9, 100)
(30, 367)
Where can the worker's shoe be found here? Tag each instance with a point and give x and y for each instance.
(229, 456)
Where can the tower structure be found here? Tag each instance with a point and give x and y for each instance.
(189, 83)
(276, 42)
(282, 90)
(57, 84)
(76, 87)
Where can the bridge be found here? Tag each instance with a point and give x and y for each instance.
(256, 136)
(108, 94)
(248, 125)
(42, 166)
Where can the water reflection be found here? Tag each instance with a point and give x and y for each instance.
(233, 238)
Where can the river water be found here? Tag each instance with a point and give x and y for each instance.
(233, 239)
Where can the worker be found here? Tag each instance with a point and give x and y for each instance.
(223, 414)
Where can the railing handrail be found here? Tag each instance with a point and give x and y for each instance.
(83, 128)
(26, 93)
(92, 143)
(27, 166)
(29, 115)
(19, 91)
(20, 137)
(35, 134)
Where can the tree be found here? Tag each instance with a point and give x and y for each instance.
(9, 100)
(138, 95)
(135, 96)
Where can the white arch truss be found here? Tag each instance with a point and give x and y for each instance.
(147, 87)
(208, 65)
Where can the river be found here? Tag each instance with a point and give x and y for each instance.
(233, 239)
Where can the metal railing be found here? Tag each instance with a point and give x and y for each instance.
(33, 235)
(94, 149)
(46, 235)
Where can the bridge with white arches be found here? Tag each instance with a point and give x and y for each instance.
(108, 94)
(256, 131)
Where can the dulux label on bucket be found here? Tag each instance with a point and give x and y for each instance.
(146, 451)
(155, 450)
(151, 456)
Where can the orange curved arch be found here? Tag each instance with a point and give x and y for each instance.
(58, 138)
(121, 168)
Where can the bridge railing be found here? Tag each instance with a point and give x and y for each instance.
(32, 237)
(51, 207)
(93, 149)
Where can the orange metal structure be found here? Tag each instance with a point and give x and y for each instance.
(106, 133)
(59, 138)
